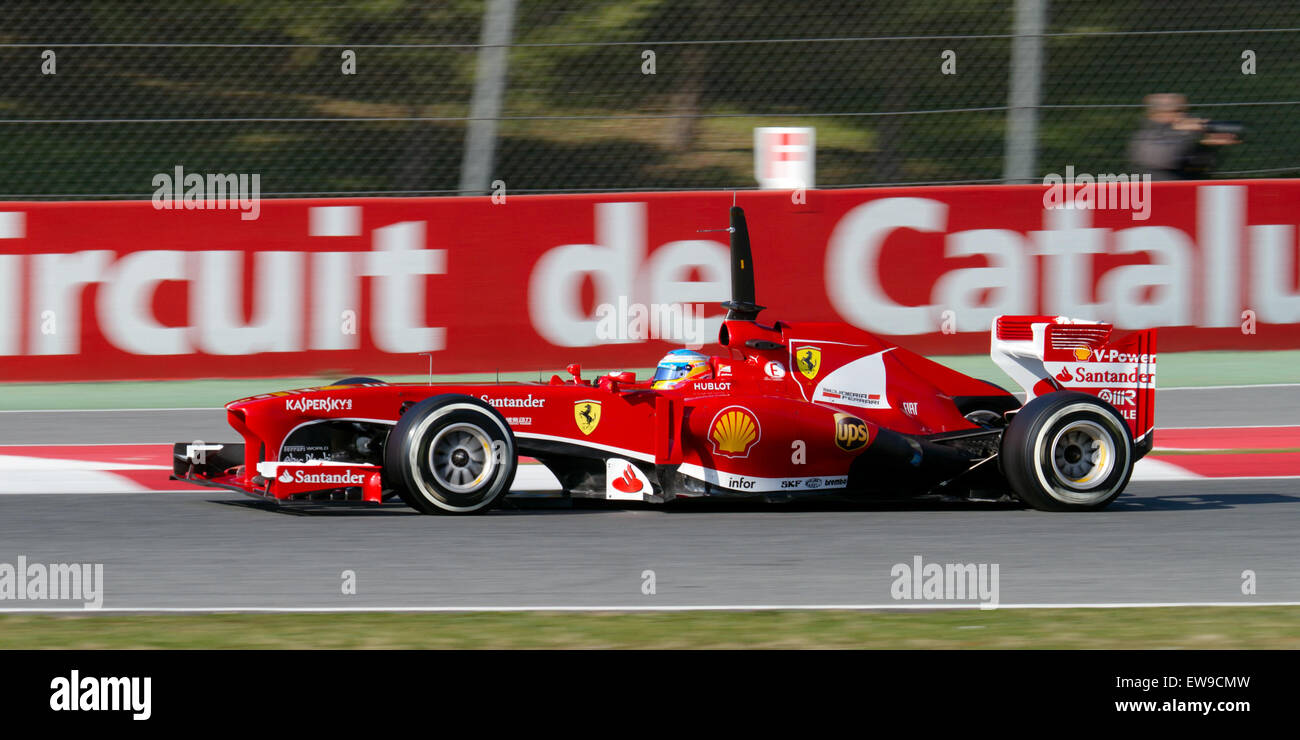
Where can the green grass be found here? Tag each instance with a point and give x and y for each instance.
(1143, 628)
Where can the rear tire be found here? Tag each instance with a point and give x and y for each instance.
(450, 454)
(1067, 451)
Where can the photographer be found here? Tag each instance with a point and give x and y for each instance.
(1172, 145)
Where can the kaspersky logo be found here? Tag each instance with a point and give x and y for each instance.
(734, 432)
(318, 404)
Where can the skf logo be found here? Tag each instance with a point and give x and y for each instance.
(734, 432)
(851, 433)
(1082, 354)
(587, 415)
(809, 361)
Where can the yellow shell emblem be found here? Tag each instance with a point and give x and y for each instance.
(1082, 353)
(734, 431)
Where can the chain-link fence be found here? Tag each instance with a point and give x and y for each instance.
(360, 97)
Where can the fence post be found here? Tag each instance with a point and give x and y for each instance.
(1027, 62)
(489, 90)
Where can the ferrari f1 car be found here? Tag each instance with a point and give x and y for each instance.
(791, 409)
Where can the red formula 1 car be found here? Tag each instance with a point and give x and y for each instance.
(792, 409)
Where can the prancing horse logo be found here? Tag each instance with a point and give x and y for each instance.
(587, 415)
(809, 361)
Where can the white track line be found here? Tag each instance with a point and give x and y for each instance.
(1150, 469)
(105, 411)
(46, 445)
(1246, 426)
(1226, 387)
(631, 608)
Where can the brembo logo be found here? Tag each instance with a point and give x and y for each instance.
(318, 404)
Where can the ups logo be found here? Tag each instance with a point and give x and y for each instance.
(851, 433)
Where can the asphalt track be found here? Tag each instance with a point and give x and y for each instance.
(1162, 542)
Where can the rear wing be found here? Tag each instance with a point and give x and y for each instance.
(1044, 354)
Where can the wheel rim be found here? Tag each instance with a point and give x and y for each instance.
(460, 458)
(1082, 455)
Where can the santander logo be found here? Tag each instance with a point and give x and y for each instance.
(322, 476)
(1064, 376)
(624, 482)
(628, 482)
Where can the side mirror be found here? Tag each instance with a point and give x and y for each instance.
(575, 370)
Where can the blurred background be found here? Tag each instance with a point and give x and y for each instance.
(258, 86)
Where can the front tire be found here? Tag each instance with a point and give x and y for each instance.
(1067, 451)
(450, 454)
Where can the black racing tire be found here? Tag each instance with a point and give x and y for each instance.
(359, 380)
(450, 454)
(1067, 451)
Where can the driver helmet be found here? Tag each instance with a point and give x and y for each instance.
(679, 366)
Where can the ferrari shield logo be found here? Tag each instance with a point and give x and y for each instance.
(587, 415)
(809, 361)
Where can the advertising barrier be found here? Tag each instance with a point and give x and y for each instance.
(128, 290)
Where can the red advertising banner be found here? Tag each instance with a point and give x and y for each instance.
(96, 291)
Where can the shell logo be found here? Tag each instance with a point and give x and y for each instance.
(1082, 353)
(734, 432)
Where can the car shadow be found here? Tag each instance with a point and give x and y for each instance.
(1199, 501)
(535, 505)
(397, 508)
